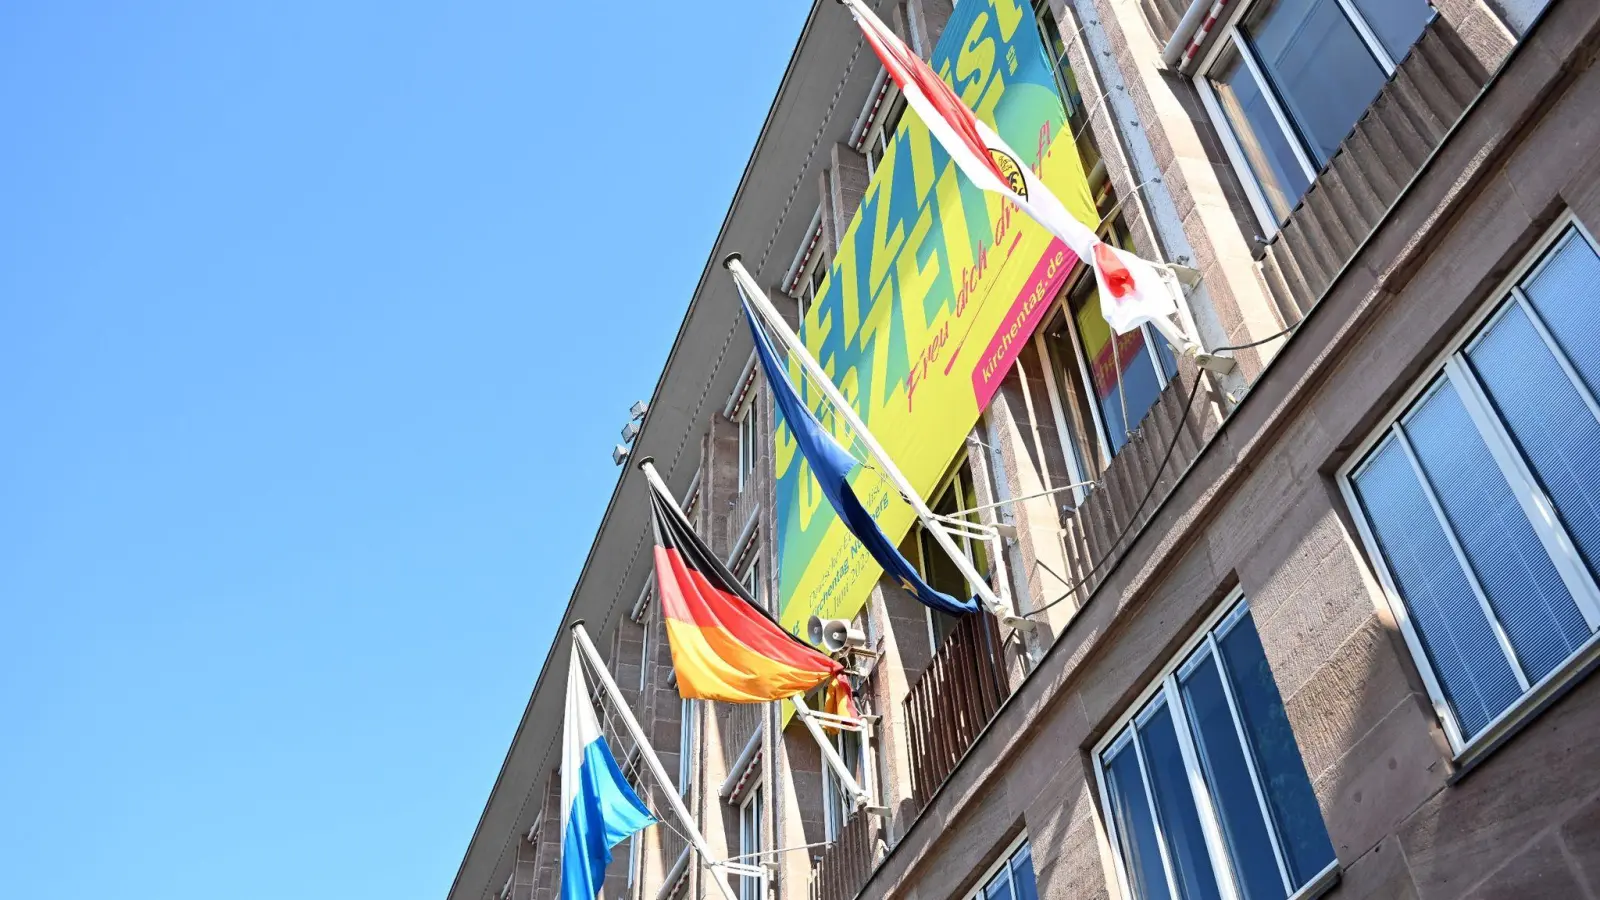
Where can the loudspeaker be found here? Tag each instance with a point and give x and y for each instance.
(833, 635)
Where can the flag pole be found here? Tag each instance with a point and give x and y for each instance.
(581, 642)
(858, 796)
(758, 301)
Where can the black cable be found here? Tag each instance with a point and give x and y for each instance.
(1270, 337)
(1188, 404)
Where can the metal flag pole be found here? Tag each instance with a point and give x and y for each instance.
(758, 301)
(858, 796)
(581, 642)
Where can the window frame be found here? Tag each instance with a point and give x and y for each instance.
(833, 821)
(750, 577)
(630, 773)
(1197, 648)
(1231, 38)
(879, 134)
(951, 480)
(1058, 368)
(752, 887)
(646, 622)
(688, 734)
(1448, 364)
(1002, 865)
(749, 439)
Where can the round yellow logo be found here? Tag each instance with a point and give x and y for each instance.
(1011, 171)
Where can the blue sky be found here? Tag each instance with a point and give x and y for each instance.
(317, 324)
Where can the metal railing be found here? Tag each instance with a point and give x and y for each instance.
(843, 866)
(956, 695)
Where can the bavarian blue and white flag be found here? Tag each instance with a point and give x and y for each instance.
(598, 808)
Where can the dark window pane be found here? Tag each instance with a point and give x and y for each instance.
(1566, 294)
(1473, 672)
(1232, 789)
(1397, 23)
(1319, 65)
(1534, 607)
(1022, 874)
(1180, 821)
(1272, 159)
(1283, 773)
(998, 888)
(1136, 831)
(1125, 383)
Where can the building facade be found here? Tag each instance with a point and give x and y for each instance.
(1315, 625)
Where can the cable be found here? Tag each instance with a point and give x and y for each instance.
(1270, 337)
(1188, 404)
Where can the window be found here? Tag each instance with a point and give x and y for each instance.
(645, 663)
(1291, 78)
(809, 286)
(751, 580)
(883, 133)
(1011, 879)
(1204, 790)
(636, 840)
(750, 813)
(956, 493)
(686, 735)
(1110, 383)
(748, 446)
(1481, 501)
(836, 805)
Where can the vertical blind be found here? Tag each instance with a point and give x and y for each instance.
(1483, 499)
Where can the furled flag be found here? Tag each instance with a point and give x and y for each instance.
(1131, 290)
(724, 646)
(598, 808)
(831, 464)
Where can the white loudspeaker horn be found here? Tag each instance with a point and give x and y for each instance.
(834, 635)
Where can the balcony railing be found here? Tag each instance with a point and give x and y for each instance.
(844, 865)
(957, 694)
(1106, 522)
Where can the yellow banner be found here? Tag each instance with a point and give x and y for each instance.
(935, 289)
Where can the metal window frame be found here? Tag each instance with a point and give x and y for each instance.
(752, 809)
(1232, 37)
(1001, 866)
(1165, 693)
(688, 734)
(1102, 428)
(833, 820)
(646, 622)
(749, 427)
(878, 135)
(1449, 362)
(1058, 410)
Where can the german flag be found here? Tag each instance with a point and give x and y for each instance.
(724, 646)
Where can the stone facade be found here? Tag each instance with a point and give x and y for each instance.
(1487, 136)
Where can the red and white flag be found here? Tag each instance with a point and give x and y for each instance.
(1131, 290)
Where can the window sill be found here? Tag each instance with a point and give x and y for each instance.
(1524, 711)
(1325, 881)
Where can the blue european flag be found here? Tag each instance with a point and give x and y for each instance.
(831, 464)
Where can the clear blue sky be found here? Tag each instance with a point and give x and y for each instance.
(318, 321)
